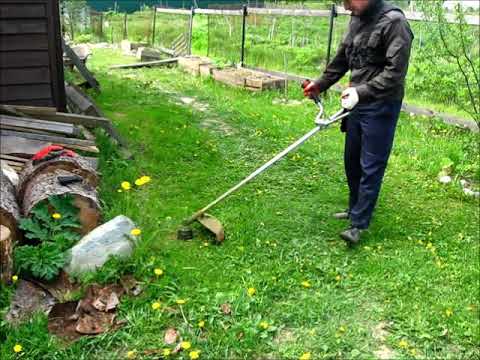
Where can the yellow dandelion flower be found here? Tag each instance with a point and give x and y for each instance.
(139, 182)
(306, 284)
(17, 348)
(449, 312)
(156, 305)
(132, 354)
(185, 345)
(305, 356)
(135, 232)
(56, 216)
(264, 325)
(126, 185)
(166, 352)
(342, 329)
(201, 324)
(338, 278)
(145, 179)
(181, 301)
(413, 352)
(158, 272)
(403, 344)
(251, 291)
(14, 278)
(194, 355)
(429, 246)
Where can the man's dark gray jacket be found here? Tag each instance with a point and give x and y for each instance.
(376, 49)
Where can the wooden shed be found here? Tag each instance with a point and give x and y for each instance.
(31, 56)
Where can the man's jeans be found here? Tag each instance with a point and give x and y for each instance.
(370, 131)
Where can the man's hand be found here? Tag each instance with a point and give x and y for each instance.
(311, 90)
(349, 98)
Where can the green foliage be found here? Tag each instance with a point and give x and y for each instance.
(51, 237)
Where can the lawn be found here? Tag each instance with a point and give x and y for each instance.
(410, 290)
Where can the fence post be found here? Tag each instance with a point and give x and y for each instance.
(101, 26)
(244, 25)
(333, 15)
(154, 24)
(190, 30)
(125, 34)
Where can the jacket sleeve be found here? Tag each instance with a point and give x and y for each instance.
(335, 69)
(398, 40)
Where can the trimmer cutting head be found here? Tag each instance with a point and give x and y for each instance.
(209, 222)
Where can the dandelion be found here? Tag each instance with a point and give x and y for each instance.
(306, 284)
(14, 278)
(126, 185)
(429, 246)
(17, 348)
(305, 356)
(342, 329)
(145, 179)
(264, 325)
(185, 345)
(201, 324)
(338, 278)
(158, 272)
(156, 305)
(449, 312)
(56, 216)
(166, 352)
(403, 344)
(135, 232)
(251, 291)
(194, 355)
(132, 354)
(181, 302)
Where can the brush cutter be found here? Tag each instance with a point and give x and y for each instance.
(214, 225)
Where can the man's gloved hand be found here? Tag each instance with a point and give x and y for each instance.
(349, 98)
(310, 89)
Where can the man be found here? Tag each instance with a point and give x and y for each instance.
(376, 49)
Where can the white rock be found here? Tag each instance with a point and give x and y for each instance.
(445, 179)
(94, 249)
(469, 192)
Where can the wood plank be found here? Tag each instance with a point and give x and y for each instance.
(174, 11)
(87, 75)
(86, 133)
(35, 110)
(23, 129)
(20, 59)
(34, 102)
(14, 158)
(22, 11)
(52, 126)
(40, 75)
(15, 42)
(50, 138)
(24, 92)
(219, 12)
(26, 26)
(145, 64)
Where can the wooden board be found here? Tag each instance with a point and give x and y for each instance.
(27, 147)
(49, 138)
(50, 126)
(165, 62)
(87, 75)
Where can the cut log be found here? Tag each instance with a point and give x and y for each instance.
(76, 165)
(43, 186)
(81, 103)
(6, 255)
(9, 217)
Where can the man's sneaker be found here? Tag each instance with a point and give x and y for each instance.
(342, 215)
(351, 235)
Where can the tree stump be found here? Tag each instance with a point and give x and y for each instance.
(9, 234)
(76, 165)
(44, 185)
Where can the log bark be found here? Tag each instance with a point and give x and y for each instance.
(76, 165)
(9, 234)
(6, 255)
(45, 185)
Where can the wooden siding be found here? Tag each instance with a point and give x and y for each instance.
(31, 56)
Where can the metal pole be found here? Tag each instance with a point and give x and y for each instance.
(333, 15)
(125, 34)
(244, 25)
(190, 30)
(154, 24)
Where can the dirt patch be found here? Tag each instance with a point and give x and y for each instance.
(285, 336)
(217, 125)
(385, 353)
(197, 105)
(380, 334)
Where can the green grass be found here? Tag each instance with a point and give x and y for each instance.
(418, 261)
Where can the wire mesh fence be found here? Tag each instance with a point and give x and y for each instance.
(224, 34)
